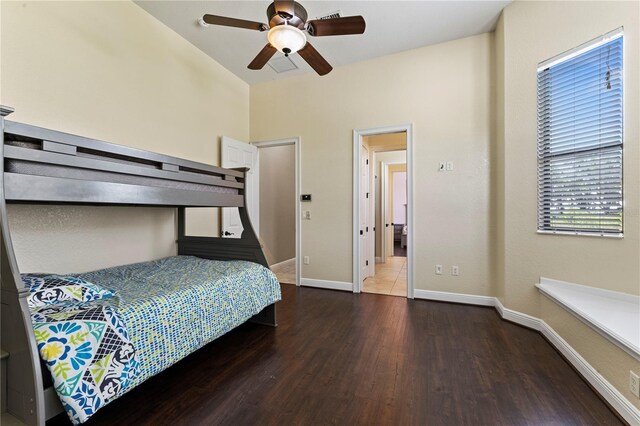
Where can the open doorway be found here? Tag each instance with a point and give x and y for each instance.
(383, 210)
(272, 200)
(389, 214)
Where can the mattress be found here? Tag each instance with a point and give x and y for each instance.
(173, 306)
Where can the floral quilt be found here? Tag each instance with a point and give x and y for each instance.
(88, 352)
(165, 309)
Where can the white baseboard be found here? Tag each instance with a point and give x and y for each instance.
(517, 317)
(275, 265)
(619, 403)
(442, 296)
(331, 285)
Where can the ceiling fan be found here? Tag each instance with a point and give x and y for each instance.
(287, 27)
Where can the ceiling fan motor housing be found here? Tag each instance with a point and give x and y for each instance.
(297, 20)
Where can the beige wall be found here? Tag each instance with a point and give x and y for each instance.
(277, 201)
(532, 32)
(109, 70)
(393, 90)
(497, 230)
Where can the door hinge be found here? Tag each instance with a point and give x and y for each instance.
(367, 195)
(367, 229)
(361, 233)
(366, 263)
(374, 229)
(367, 161)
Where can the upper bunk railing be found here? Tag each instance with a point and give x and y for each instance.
(47, 166)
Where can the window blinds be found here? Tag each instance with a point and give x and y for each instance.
(580, 141)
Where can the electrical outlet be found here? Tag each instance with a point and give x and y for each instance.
(449, 166)
(305, 260)
(306, 215)
(455, 271)
(634, 384)
(438, 269)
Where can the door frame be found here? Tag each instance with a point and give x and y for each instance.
(295, 141)
(369, 248)
(358, 249)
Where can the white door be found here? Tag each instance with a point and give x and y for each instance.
(240, 154)
(364, 212)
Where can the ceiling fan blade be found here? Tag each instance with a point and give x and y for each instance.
(263, 57)
(232, 22)
(336, 26)
(285, 8)
(315, 59)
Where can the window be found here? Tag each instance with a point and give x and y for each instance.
(580, 140)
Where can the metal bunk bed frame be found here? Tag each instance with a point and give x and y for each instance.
(41, 166)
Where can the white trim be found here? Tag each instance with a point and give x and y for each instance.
(296, 142)
(331, 285)
(617, 400)
(579, 234)
(372, 212)
(357, 251)
(517, 317)
(275, 265)
(368, 254)
(619, 403)
(410, 212)
(572, 53)
(443, 296)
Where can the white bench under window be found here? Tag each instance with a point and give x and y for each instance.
(614, 315)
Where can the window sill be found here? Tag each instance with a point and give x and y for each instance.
(614, 315)
(580, 234)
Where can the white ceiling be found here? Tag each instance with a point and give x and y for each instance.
(392, 26)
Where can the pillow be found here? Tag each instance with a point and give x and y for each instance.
(51, 289)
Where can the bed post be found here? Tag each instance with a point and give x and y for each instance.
(25, 390)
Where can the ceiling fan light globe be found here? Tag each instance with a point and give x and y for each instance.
(287, 37)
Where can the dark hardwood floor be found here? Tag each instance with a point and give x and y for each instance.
(340, 358)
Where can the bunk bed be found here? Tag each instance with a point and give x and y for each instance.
(41, 166)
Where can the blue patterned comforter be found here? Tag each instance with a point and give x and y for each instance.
(173, 306)
(166, 309)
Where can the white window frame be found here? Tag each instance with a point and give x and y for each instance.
(586, 47)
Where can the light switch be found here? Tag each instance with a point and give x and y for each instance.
(441, 166)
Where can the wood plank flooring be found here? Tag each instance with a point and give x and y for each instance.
(340, 358)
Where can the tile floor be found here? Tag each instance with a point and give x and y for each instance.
(286, 271)
(390, 278)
